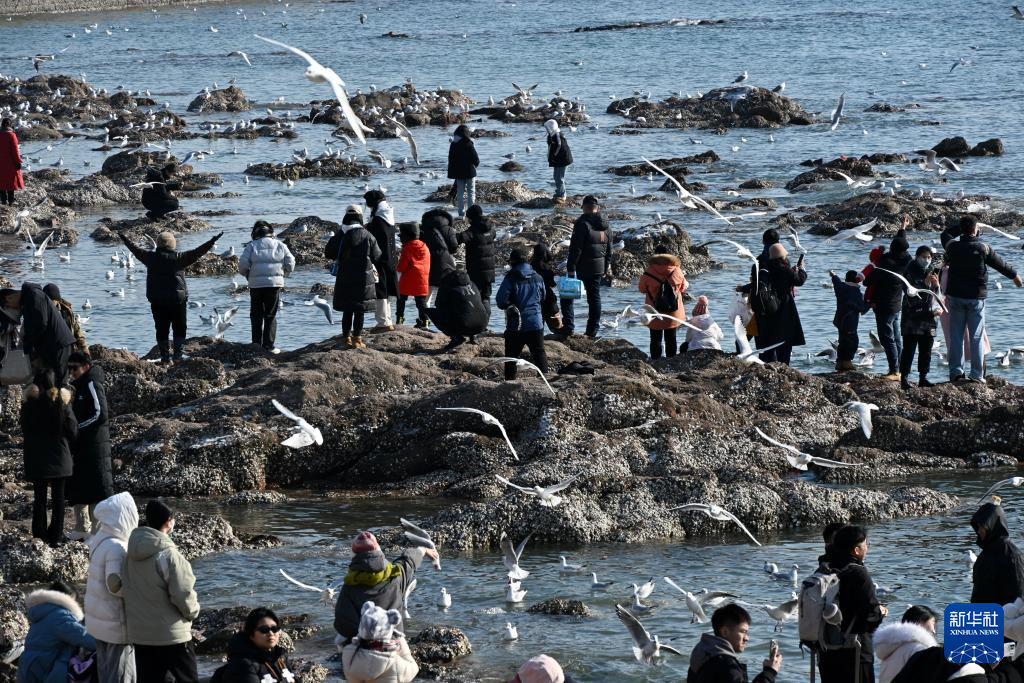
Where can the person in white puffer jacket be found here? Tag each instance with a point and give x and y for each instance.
(104, 608)
(379, 654)
(895, 644)
(265, 262)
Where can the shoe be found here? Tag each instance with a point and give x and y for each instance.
(904, 385)
(924, 384)
(376, 329)
(976, 380)
(357, 343)
(892, 377)
(958, 378)
(349, 344)
(845, 366)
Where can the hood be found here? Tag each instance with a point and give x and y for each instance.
(31, 391)
(876, 254)
(595, 221)
(154, 176)
(991, 518)
(899, 243)
(372, 561)
(119, 516)
(144, 543)
(365, 663)
(385, 211)
(524, 270)
(417, 248)
(551, 126)
(240, 646)
(40, 603)
(95, 374)
(436, 218)
(664, 260)
(709, 647)
(462, 132)
(455, 278)
(892, 637)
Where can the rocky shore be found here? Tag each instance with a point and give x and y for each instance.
(22, 7)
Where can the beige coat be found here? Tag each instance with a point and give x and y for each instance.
(159, 590)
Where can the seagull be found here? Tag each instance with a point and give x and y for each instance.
(747, 354)
(685, 194)
(567, 567)
(800, 460)
(239, 53)
(320, 303)
(419, 538)
(795, 237)
(87, 305)
(446, 599)
(596, 585)
(511, 556)
(511, 633)
(38, 251)
(514, 593)
(837, 113)
(117, 293)
(938, 164)
(1017, 14)
(1015, 482)
(969, 559)
(305, 434)
(998, 232)
(405, 136)
(229, 253)
(644, 591)
(717, 513)
(791, 576)
(742, 77)
(783, 612)
(326, 594)
(645, 648)
(405, 599)
(863, 411)
(544, 495)
(912, 291)
(692, 603)
(490, 420)
(963, 61)
(743, 252)
(523, 363)
(780, 87)
(859, 232)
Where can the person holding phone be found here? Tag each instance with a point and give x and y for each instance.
(716, 660)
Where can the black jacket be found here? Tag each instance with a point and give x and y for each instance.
(354, 289)
(386, 594)
(857, 600)
(559, 154)
(479, 241)
(969, 259)
(784, 324)
(462, 159)
(165, 270)
(917, 316)
(45, 334)
(384, 233)
(249, 664)
(850, 305)
(158, 198)
(930, 665)
(440, 238)
(714, 661)
(999, 571)
(48, 424)
(92, 481)
(541, 262)
(590, 247)
(458, 310)
(887, 292)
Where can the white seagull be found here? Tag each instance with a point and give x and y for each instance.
(859, 232)
(1012, 481)
(685, 196)
(325, 307)
(747, 354)
(717, 513)
(446, 599)
(863, 411)
(913, 292)
(523, 363)
(511, 556)
(783, 612)
(692, 603)
(514, 592)
(490, 420)
(511, 632)
(546, 496)
(938, 164)
(596, 585)
(568, 568)
(305, 434)
(800, 460)
(837, 113)
(326, 594)
(645, 647)
(405, 136)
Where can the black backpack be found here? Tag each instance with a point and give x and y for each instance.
(766, 299)
(666, 300)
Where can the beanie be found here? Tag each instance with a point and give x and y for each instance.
(166, 240)
(474, 212)
(353, 215)
(376, 623)
(157, 514)
(777, 251)
(541, 669)
(899, 243)
(852, 276)
(365, 542)
(51, 290)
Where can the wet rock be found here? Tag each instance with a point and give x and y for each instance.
(484, 133)
(92, 190)
(886, 108)
(561, 607)
(673, 165)
(640, 244)
(732, 107)
(440, 107)
(78, 100)
(309, 671)
(523, 108)
(226, 99)
(13, 624)
(439, 645)
(753, 203)
(392, 34)
(138, 229)
(213, 628)
(851, 166)
(987, 148)
(649, 24)
(501, 192)
(42, 219)
(756, 184)
(952, 147)
(511, 167)
(137, 127)
(310, 168)
(24, 559)
(886, 158)
(255, 498)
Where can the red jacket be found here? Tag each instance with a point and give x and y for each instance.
(414, 265)
(10, 162)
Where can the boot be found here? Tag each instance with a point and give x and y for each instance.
(924, 383)
(893, 375)
(83, 524)
(165, 351)
(357, 343)
(179, 344)
(348, 342)
(845, 366)
(904, 384)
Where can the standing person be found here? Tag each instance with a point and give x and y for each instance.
(895, 644)
(160, 600)
(862, 613)
(664, 274)
(55, 633)
(166, 289)
(67, 313)
(157, 198)
(969, 259)
(414, 267)
(104, 604)
(379, 653)
(91, 479)
(919, 319)
(11, 179)
(382, 227)
(715, 658)
(559, 157)
(850, 306)
(48, 425)
(265, 262)
(999, 570)
(590, 257)
(46, 338)
(354, 251)
(255, 653)
(768, 238)
(540, 261)
(521, 296)
(479, 241)
(887, 299)
(439, 236)
(462, 163)
(784, 324)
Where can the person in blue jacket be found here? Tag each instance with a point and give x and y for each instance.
(55, 633)
(850, 306)
(521, 296)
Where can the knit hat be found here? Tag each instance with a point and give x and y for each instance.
(353, 215)
(373, 197)
(365, 542)
(515, 257)
(777, 251)
(552, 126)
(474, 212)
(541, 669)
(376, 623)
(852, 276)
(166, 240)
(900, 243)
(701, 307)
(157, 514)
(51, 290)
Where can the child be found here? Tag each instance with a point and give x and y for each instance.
(521, 295)
(663, 268)
(850, 305)
(55, 633)
(712, 336)
(378, 652)
(414, 266)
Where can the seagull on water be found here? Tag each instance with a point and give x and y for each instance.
(446, 599)
(305, 433)
(490, 420)
(546, 496)
(511, 632)
(514, 592)
(800, 460)
(596, 585)
(717, 513)
(646, 648)
(567, 567)
(863, 411)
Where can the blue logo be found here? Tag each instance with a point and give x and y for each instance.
(974, 633)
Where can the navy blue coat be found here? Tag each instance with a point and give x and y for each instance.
(524, 289)
(850, 305)
(55, 632)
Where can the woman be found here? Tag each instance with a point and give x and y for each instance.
(783, 326)
(48, 424)
(462, 163)
(664, 273)
(712, 335)
(254, 655)
(354, 251)
(382, 226)
(91, 467)
(414, 266)
(265, 262)
(540, 260)
(55, 633)
(919, 319)
(379, 653)
(439, 236)
(559, 157)
(895, 644)
(886, 295)
(479, 241)
(10, 163)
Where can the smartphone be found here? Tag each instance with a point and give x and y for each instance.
(773, 649)
(800, 260)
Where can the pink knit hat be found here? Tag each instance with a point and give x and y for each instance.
(541, 669)
(365, 542)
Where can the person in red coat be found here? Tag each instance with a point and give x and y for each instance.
(414, 267)
(10, 163)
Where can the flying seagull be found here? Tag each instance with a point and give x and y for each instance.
(747, 354)
(523, 363)
(716, 513)
(305, 433)
(800, 460)
(490, 420)
(511, 556)
(863, 411)
(646, 648)
(913, 292)
(546, 496)
(859, 232)
(1012, 481)
(837, 113)
(326, 594)
(685, 194)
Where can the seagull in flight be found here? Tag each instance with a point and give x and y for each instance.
(545, 495)
(326, 594)
(511, 556)
(405, 136)
(490, 420)
(685, 196)
(837, 113)
(717, 513)
(239, 53)
(863, 411)
(800, 460)
(997, 231)
(747, 354)
(320, 303)
(305, 434)
(523, 363)
(938, 164)
(1015, 482)
(859, 232)
(1017, 13)
(913, 292)
(646, 648)
(963, 61)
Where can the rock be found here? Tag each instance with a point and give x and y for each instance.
(44, 218)
(737, 106)
(310, 168)
(440, 107)
(988, 148)
(137, 229)
(213, 628)
(522, 108)
(24, 559)
(851, 166)
(886, 108)
(13, 622)
(756, 184)
(673, 166)
(255, 498)
(648, 24)
(511, 167)
(501, 192)
(952, 147)
(308, 671)
(439, 645)
(92, 190)
(561, 607)
(226, 99)
(886, 158)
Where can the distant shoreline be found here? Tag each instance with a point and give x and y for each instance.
(27, 7)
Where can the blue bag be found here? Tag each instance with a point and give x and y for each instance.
(570, 288)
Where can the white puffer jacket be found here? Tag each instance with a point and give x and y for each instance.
(266, 262)
(895, 644)
(104, 611)
(363, 665)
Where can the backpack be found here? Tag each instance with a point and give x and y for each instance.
(765, 300)
(666, 300)
(819, 614)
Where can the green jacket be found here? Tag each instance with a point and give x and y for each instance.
(159, 590)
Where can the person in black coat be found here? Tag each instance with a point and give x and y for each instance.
(438, 234)
(382, 227)
(887, 299)
(354, 250)
(931, 664)
(999, 570)
(254, 653)
(91, 480)
(559, 157)
(458, 311)
(540, 259)
(157, 198)
(590, 258)
(783, 325)
(48, 425)
(919, 318)
(850, 306)
(47, 339)
(166, 289)
(479, 241)
(715, 659)
(462, 163)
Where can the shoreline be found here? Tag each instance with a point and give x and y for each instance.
(24, 8)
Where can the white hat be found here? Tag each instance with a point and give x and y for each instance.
(376, 623)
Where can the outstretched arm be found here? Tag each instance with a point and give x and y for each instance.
(187, 258)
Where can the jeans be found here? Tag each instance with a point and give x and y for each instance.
(847, 346)
(923, 344)
(514, 343)
(593, 287)
(352, 323)
(670, 343)
(263, 305)
(560, 181)
(115, 663)
(484, 286)
(966, 315)
(888, 323)
(156, 662)
(421, 307)
(465, 194)
(55, 530)
(166, 317)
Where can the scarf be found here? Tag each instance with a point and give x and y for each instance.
(370, 579)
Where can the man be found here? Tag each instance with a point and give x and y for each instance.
(91, 480)
(160, 600)
(371, 577)
(166, 289)
(47, 340)
(715, 659)
(999, 569)
(67, 312)
(265, 262)
(969, 259)
(887, 299)
(522, 295)
(382, 226)
(590, 257)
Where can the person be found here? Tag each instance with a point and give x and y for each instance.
(862, 613)
(378, 653)
(462, 163)
(768, 238)
(998, 573)
(48, 425)
(712, 335)
(354, 250)
(439, 236)
(105, 617)
(590, 257)
(662, 269)
(540, 261)
(541, 669)
(895, 644)
(850, 306)
(254, 653)
(887, 299)
(55, 633)
(458, 311)
(969, 259)
(372, 578)
(479, 241)
(166, 289)
(918, 320)
(382, 227)
(521, 295)
(46, 338)
(559, 157)
(67, 313)
(828, 534)
(265, 263)
(414, 268)
(160, 600)
(157, 198)
(11, 179)
(783, 325)
(91, 480)
(715, 658)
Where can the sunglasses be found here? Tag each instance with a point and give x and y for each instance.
(266, 630)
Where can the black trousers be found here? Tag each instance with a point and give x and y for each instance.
(7, 197)
(166, 317)
(838, 666)
(263, 305)
(53, 531)
(670, 343)
(533, 340)
(485, 291)
(421, 307)
(847, 346)
(352, 322)
(157, 662)
(923, 344)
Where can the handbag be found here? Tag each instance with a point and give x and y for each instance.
(82, 668)
(15, 368)
(570, 288)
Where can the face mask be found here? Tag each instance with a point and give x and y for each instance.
(923, 262)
